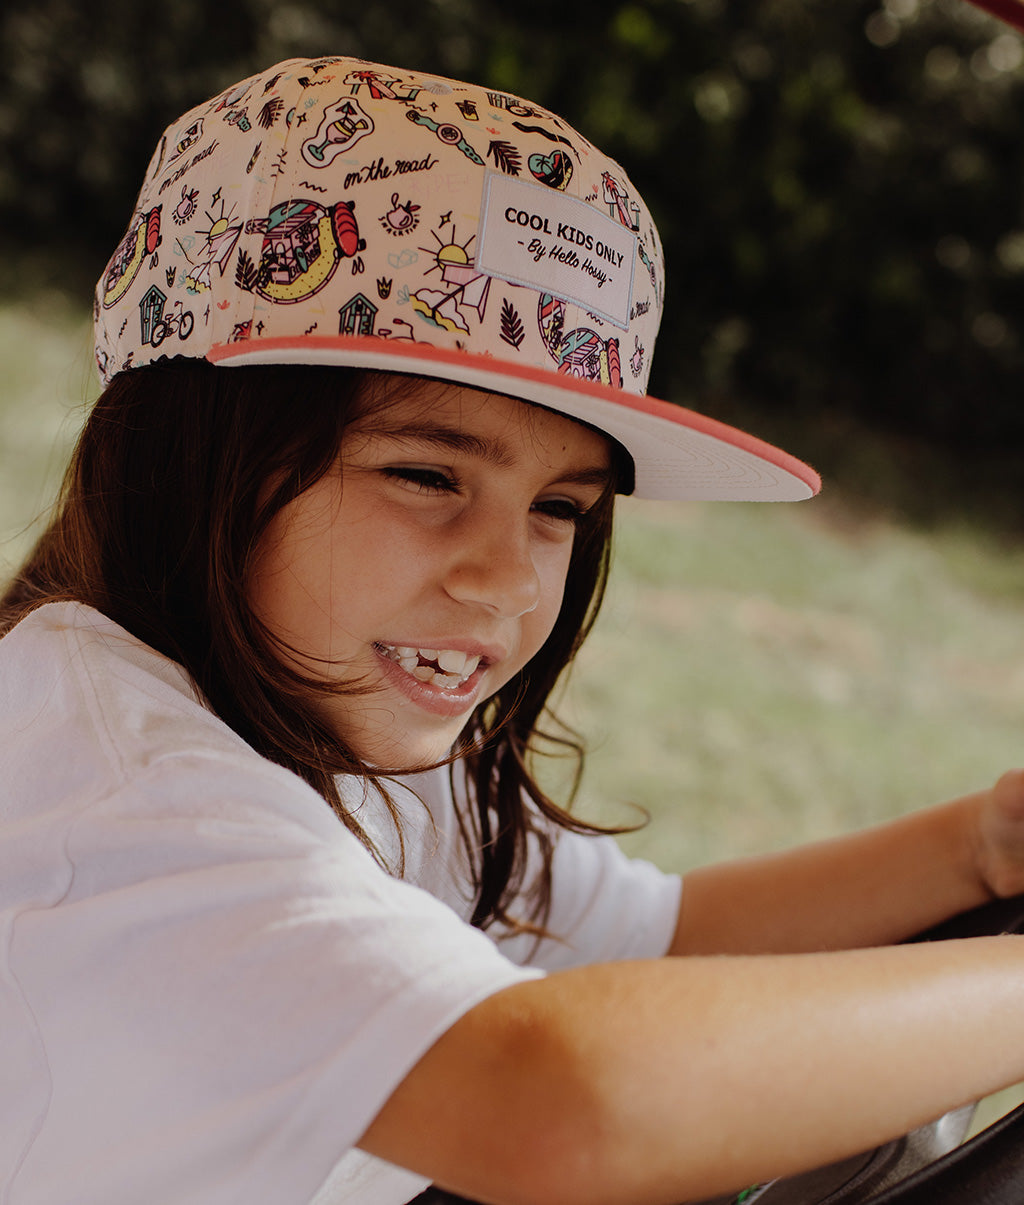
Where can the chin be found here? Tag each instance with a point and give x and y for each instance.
(402, 754)
(410, 758)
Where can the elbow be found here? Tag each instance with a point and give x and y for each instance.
(556, 1165)
(522, 1102)
(541, 1165)
(561, 1128)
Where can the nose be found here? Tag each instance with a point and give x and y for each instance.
(494, 567)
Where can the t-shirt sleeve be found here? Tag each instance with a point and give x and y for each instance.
(229, 988)
(605, 906)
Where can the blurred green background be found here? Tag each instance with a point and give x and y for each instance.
(838, 184)
(839, 187)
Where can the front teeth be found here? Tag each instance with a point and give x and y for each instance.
(447, 668)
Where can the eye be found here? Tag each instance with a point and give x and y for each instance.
(562, 510)
(421, 480)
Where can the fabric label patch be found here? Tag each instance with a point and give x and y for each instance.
(538, 237)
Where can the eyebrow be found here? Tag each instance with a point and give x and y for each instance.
(491, 451)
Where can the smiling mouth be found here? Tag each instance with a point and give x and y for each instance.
(446, 668)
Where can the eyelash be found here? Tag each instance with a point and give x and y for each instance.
(562, 510)
(433, 481)
(426, 481)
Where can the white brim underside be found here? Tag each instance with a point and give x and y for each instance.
(678, 454)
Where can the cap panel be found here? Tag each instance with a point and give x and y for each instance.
(337, 197)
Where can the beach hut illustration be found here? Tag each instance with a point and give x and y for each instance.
(151, 310)
(358, 316)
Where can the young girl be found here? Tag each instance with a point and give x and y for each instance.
(286, 914)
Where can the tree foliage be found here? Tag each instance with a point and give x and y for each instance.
(838, 184)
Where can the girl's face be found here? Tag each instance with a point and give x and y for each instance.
(429, 564)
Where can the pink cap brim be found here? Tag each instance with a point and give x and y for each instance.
(678, 453)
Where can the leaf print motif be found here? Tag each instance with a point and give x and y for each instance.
(270, 112)
(512, 330)
(246, 272)
(506, 156)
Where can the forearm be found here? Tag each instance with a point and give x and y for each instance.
(680, 1078)
(870, 888)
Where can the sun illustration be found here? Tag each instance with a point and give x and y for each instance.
(449, 255)
(219, 242)
(220, 225)
(466, 288)
(218, 228)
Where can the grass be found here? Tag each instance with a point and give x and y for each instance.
(761, 674)
(764, 674)
(46, 379)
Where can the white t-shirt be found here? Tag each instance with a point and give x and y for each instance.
(208, 987)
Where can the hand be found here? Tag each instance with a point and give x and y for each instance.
(999, 835)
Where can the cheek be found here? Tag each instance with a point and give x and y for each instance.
(293, 583)
(289, 595)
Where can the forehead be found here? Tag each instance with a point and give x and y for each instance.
(498, 427)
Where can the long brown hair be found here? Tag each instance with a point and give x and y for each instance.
(177, 474)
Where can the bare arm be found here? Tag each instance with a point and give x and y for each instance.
(870, 888)
(685, 1077)
(671, 1080)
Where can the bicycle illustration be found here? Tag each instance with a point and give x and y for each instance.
(179, 319)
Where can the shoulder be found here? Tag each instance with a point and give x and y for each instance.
(67, 657)
(90, 717)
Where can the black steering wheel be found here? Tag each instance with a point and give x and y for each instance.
(929, 1166)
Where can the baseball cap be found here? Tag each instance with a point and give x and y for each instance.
(339, 212)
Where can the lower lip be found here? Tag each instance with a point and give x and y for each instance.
(434, 699)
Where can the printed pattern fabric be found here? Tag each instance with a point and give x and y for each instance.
(333, 198)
